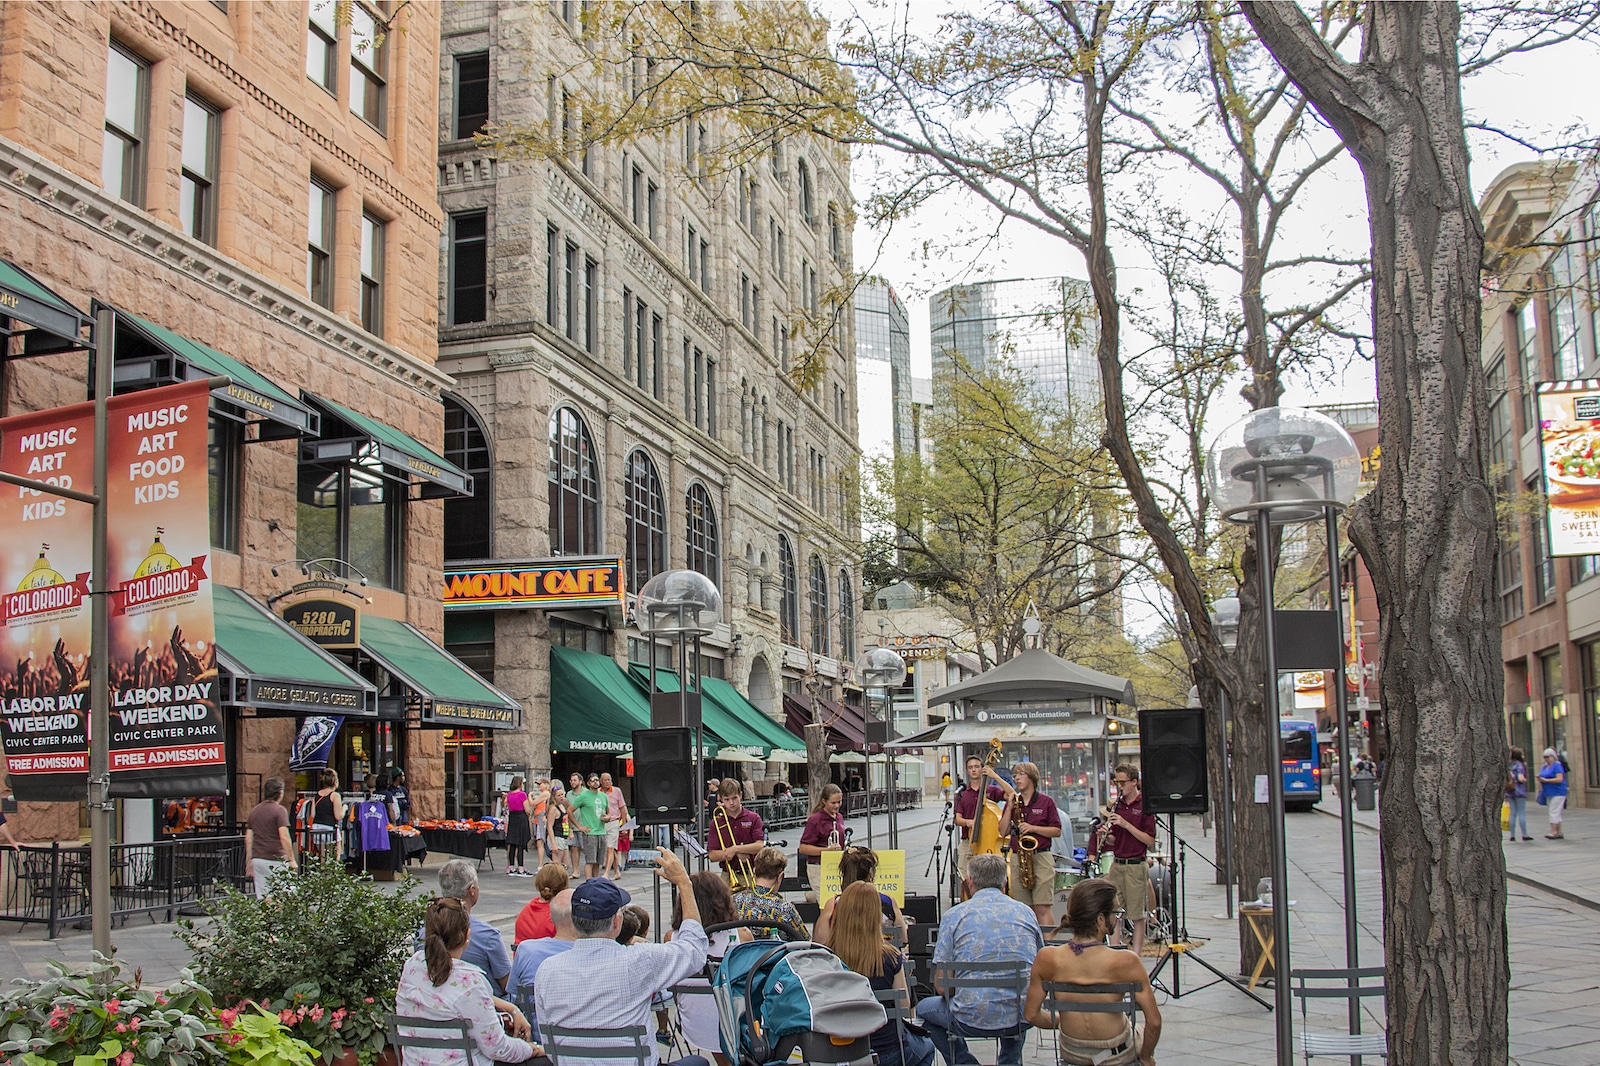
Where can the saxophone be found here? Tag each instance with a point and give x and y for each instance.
(1027, 844)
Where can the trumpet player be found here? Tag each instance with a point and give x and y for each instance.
(734, 834)
(1034, 822)
(1128, 834)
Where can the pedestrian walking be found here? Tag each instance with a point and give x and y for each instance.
(1517, 793)
(267, 846)
(1553, 791)
(519, 829)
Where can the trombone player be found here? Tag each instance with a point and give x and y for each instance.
(734, 835)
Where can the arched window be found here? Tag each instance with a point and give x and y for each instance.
(574, 486)
(703, 554)
(468, 525)
(847, 617)
(646, 513)
(789, 605)
(803, 182)
(819, 606)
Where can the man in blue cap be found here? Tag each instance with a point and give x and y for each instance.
(601, 984)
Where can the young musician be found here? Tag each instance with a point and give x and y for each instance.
(967, 805)
(741, 836)
(1129, 834)
(1032, 814)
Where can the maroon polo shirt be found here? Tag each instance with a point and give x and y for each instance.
(967, 803)
(1124, 845)
(746, 827)
(1040, 810)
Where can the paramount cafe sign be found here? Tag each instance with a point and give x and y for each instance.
(540, 584)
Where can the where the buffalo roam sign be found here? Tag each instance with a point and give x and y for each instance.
(166, 726)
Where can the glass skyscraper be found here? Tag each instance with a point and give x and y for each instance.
(1046, 328)
(883, 370)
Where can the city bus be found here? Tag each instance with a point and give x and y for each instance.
(1302, 764)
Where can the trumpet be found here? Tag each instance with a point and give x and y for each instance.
(740, 874)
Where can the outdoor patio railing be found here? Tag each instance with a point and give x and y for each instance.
(50, 885)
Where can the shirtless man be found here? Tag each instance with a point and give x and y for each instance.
(1087, 960)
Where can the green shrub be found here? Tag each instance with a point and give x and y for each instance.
(323, 953)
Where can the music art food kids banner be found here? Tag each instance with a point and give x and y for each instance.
(1569, 436)
(45, 558)
(166, 724)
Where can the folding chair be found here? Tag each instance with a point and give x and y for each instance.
(448, 1035)
(1002, 977)
(1056, 1007)
(897, 1007)
(1319, 1043)
(629, 1042)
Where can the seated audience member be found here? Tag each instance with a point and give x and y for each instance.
(1095, 1039)
(989, 927)
(857, 864)
(436, 984)
(697, 1012)
(635, 925)
(487, 951)
(532, 954)
(762, 902)
(601, 984)
(534, 920)
(858, 941)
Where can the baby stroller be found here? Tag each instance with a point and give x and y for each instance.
(775, 998)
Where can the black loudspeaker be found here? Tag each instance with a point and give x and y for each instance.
(1172, 752)
(924, 910)
(663, 776)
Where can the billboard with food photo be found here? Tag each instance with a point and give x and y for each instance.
(45, 604)
(1569, 436)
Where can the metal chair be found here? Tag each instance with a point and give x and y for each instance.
(629, 1042)
(1346, 984)
(1126, 1004)
(428, 1033)
(1000, 977)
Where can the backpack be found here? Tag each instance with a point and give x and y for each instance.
(1511, 781)
(770, 995)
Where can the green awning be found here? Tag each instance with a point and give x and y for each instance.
(149, 355)
(452, 694)
(397, 450)
(726, 714)
(272, 668)
(593, 705)
(24, 298)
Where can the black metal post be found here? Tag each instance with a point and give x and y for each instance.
(1352, 949)
(1283, 1006)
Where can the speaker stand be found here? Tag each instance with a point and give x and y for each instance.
(1178, 943)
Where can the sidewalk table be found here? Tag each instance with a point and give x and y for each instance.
(466, 843)
(1259, 919)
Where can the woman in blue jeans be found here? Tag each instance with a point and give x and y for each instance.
(1517, 793)
(857, 939)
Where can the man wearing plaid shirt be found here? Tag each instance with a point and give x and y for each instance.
(601, 984)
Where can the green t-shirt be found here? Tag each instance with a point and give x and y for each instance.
(589, 809)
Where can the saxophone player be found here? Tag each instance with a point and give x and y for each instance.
(1033, 822)
(1130, 833)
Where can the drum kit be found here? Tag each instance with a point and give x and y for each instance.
(1158, 903)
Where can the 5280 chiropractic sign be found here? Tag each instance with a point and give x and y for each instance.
(166, 725)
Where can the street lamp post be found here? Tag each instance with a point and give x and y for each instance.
(680, 605)
(1274, 467)
(880, 668)
(1225, 618)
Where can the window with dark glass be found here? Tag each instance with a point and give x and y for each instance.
(319, 244)
(322, 36)
(1528, 358)
(197, 196)
(847, 617)
(1511, 569)
(574, 486)
(1544, 566)
(372, 234)
(570, 289)
(127, 120)
(1590, 711)
(224, 455)
(819, 606)
(835, 235)
(469, 267)
(472, 94)
(591, 305)
(368, 63)
(352, 511)
(468, 520)
(702, 547)
(646, 515)
(803, 181)
(789, 596)
(637, 196)
(1554, 693)
(552, 277)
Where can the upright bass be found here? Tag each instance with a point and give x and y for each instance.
(985, 838)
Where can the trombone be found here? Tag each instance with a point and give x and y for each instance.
(740, 873)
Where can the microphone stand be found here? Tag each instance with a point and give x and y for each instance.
(937, 859)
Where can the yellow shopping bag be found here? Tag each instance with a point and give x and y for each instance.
(1505, 816)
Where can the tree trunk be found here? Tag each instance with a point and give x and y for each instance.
(817, 773)
(1427, 532)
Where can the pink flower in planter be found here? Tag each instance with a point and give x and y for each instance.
(286, 1016)
(316, 1013)
(122, 1027)
(226, 1018)
(369, 999)
(113, 1006)
(125, 1059)
(58, 1017)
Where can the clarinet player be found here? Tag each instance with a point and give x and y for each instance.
(1129, 832)
(1034, 822)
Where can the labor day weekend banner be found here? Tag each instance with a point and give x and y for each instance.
(166, 722)
(44, 603)
(166, 725)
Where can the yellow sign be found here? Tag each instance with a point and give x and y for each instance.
(891, 877)
(546, 584)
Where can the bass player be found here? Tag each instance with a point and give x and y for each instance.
(967, 805)
(1033, 821)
